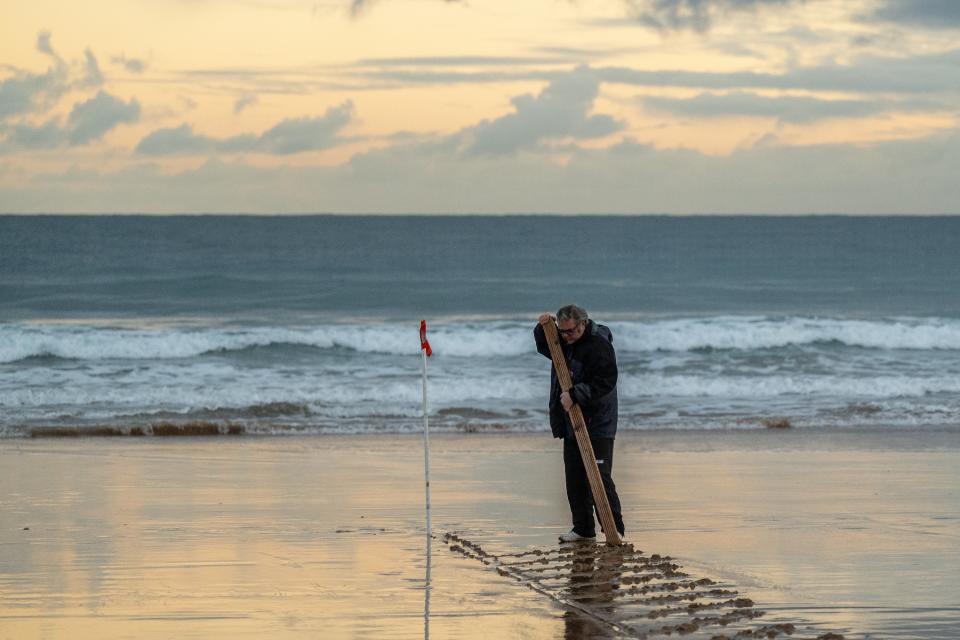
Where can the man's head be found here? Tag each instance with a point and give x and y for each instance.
(572, 322)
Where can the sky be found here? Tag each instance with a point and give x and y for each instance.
(480, 106)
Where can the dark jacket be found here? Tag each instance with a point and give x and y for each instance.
(593, 369)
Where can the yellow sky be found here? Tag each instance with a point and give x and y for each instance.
(468, 76)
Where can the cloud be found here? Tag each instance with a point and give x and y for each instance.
(917, 176)
(243, 102)
(43, 43)
(133, 65)
(559, 111)
(697, 15)
(49, 135)
(461, 61)
(582, 53)
(917, 74)
(924, 73)
(25, 92)
(92, 119)
(292, 135)
(934, 14)
(307, 134)
(785, 108)
(415, 76)
(89, 120)
(92, 76)
(357, 7)
(176, 140)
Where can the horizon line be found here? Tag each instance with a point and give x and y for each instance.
(528, 214)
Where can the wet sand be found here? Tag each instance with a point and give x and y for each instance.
(844, 532)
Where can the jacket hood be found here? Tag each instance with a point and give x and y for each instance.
(599, 330)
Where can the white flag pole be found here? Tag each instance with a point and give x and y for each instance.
(426, 438)
(425, 350)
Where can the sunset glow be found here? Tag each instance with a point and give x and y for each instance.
(363, 106)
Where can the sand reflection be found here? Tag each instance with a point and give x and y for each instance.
(199, 538)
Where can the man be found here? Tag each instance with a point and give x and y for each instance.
(588, 348)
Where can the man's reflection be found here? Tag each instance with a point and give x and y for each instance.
(595, 573)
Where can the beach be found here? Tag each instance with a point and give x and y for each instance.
(210, 427)
(834, 531)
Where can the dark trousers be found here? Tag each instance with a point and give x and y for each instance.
(578, 487)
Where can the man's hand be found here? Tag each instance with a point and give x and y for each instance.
(546, 318)
(566, 401)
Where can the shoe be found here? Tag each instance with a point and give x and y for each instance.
(573, 536)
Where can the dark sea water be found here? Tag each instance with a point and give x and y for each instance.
(292, 324)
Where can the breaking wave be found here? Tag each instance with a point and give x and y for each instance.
(780, 386)
(473, 339)
(750, 333)
(20, 342)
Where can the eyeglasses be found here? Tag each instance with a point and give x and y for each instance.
(568, 332)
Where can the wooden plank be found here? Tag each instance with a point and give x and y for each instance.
(583, 437)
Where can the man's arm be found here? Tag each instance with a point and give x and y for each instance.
(599, 375)
(540, 337)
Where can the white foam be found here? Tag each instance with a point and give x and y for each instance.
(496, 339)
(735, 332)
(778, 386)
(200, 386)
(18, 342)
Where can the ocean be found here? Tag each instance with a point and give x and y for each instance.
(291, 325)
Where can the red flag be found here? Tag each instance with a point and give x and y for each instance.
(424, 343)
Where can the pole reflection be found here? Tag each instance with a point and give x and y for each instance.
(426, 589)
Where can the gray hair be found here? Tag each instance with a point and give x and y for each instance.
(572, 312)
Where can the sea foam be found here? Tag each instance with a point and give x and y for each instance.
(19, 342)
(749, 333)
(473, 339)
